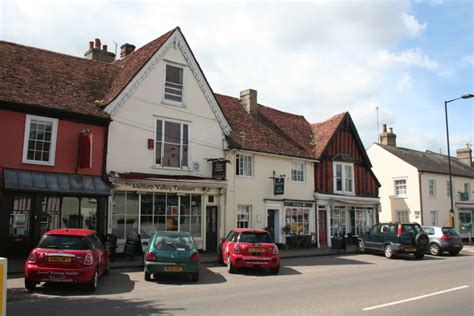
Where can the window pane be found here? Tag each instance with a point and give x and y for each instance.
(172, 132)
(174, 74)
(70, 217)
(160, 204)
(89, 213)
(171, 156)
(132, 204)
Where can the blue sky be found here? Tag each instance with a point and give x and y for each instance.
(314, 58)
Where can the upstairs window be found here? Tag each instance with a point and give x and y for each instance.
(400, 187)
(244, 165)
(39, 146)
(432, 187)
(174, 84)
(172, 144)
(297, 172)
(343, 177)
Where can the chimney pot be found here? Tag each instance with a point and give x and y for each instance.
(384, 129)
(391, 130)
(97, 43)
(96, 53)
(126, 49)
(91, 45)
(464, 155)
(389, 138)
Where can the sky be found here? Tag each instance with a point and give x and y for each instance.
(397, 60)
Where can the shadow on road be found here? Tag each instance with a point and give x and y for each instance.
(324, 261)
(206, 277)
(407, 257)
(266, 273)
(21, 302)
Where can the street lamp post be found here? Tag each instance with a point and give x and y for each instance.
(451, 211)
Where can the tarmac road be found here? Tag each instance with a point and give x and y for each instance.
(332, 285)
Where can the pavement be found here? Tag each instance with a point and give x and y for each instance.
(17, 266)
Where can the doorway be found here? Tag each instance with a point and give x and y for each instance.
(211, 228)
(272, 225)
(323, 236)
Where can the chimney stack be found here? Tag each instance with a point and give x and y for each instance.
(95, 52)
(248, 99)
(388, 138)
(464, 155)
(126, 49)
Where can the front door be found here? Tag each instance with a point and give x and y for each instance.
(211, 229)
(271, 227)
(323, 235)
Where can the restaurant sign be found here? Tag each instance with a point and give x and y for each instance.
(279, 186)
(158, 187)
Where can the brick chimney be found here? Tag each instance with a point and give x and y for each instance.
(248, 99)
(388, 138)
(126, 49)
(96, 52)
(464, 155)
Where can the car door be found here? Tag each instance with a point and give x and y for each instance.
(382, 237)
(370, 237)
(99, 249)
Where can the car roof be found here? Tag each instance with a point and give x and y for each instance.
(172, 233)
(249, 230)
(71, 232)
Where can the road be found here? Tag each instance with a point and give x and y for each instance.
(331, 285)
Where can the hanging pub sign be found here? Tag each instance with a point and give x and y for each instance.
(279, 186)
(218, 169)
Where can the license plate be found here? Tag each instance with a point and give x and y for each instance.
(410, 249)
(57, 276)
(59, 259)
(258, 250)
(174, 269)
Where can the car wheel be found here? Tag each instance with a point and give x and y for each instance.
(92, 285)
(419, 255)
(454, 252)
(435, 249)
(361, 246)
(275, 270)
(195, 277)
(30, 285)
(230, 266)
(388, 252)
(147, 276)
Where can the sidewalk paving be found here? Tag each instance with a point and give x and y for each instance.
(17, 266)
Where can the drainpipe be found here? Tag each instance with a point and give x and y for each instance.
(421, 196)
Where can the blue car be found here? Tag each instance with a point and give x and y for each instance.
(171, 253)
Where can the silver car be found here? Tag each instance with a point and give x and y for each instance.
(443, 239)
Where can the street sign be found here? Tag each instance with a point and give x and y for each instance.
(279, 186)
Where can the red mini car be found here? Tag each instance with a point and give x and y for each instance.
(67, 256)
(250, 248)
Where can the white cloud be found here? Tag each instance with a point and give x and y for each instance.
(408, 58)
(412, 26)
(405, 82)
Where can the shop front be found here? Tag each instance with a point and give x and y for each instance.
(33, 203)
(344, 216)
(148, 206)
(466, 219)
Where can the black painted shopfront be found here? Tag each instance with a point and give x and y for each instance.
(33, 203)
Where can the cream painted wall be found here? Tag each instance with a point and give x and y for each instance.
(387, 167)
(254, 190)
(134, 123)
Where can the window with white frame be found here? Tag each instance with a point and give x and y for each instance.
(402, 217)
(432, 187)
(174, 83)
(467, 190)
(244, 165)
(400, 187)
(39, 145)
(297, 171)
(244, 213)
(434, 218)
(343, 177)
(448, 187)
(297, 221)
(171, 144)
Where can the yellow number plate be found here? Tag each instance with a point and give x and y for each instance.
(259, 250)
(174, 269)
(411, 249)
(59, 259)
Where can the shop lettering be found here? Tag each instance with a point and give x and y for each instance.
(162, 187)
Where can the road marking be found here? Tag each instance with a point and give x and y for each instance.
(415, 298)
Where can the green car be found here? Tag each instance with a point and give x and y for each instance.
(171, 253)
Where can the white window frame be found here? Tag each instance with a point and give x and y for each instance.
(434, 217)
(467, 189)
(432, 187)
(343, 177)
(26, 138)
(243, 172)
(407, 213)
(168, 101)
(181, 146)
(395, 191)
(298, 175)
(244, 210)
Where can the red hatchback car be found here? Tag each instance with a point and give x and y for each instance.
(249, 248)
(67, 256)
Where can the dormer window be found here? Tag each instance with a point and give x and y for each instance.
(174, 84)
(343, 177)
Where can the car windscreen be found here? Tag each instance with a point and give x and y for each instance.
(449, 231)
(254, 238)
(173, 243)
(64, 242)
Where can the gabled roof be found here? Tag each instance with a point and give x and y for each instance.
(324, 131)
(430, 162)
(270, 131)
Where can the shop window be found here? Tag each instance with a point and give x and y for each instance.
(39, 146)
(50, 214)
(363, 220)
(20, 217)
(70, 216)
(243, 216)
(466, 220)
(125, 214)
(338, 221)
(297, 221)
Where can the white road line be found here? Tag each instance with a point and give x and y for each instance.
(415, 298)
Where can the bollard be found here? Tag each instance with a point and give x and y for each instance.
(3, 286)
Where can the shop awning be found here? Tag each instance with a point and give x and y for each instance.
(60, 183)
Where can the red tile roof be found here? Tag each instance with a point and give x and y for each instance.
(324, 131)
(41, 78)
(270, 131)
